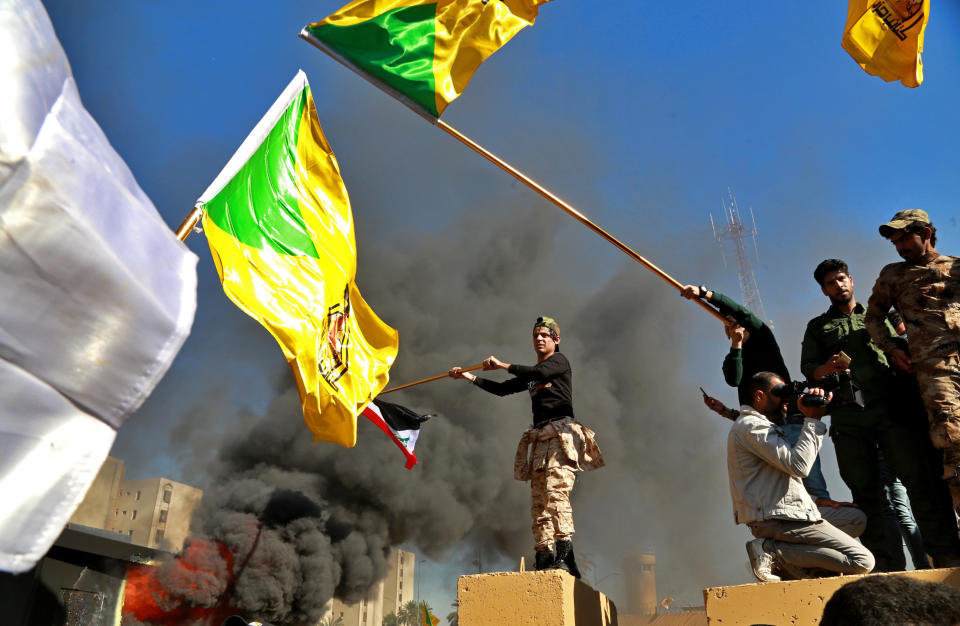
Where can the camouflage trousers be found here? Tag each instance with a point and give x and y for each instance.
(939, 381)
(550, 506)
(549, 457)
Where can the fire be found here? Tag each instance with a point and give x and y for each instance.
(189, 589)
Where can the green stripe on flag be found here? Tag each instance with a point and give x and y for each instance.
(259, 205)
(396, 47)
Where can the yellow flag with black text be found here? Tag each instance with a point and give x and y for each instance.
(885, 37)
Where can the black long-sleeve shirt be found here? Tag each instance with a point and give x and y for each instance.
(550, 383)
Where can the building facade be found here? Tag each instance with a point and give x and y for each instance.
(96, 510)
(384, 598)
(155, 512)
(152, 512)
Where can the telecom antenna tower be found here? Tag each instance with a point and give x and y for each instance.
(733, 229)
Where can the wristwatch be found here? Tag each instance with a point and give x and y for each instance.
(703, 291)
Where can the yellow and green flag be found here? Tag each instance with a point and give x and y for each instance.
(427, 618)
(279, 225)
(423, 52)
(885, 37)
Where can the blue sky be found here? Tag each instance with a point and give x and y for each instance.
(641, 115)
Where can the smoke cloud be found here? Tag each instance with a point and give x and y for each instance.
(304, 521)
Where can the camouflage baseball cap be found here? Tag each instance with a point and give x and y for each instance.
(547, 322)
(902, 219)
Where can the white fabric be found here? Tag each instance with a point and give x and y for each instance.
(98, 294)
(47, 462)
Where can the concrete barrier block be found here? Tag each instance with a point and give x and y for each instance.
(794, 602)
(547, 598)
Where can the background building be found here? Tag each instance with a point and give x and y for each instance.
(96, 510)
(155, 512)
(386, 597)
(399, 583)
(152, 512)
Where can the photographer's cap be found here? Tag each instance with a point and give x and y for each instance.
(902, 219)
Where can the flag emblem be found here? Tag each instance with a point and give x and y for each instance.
(333, 357)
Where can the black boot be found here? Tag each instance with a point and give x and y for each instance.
(565, 560)
(545, 559)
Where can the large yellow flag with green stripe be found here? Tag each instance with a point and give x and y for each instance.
(422, 51)
(279, 225)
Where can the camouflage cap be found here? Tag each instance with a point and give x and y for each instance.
(547, 322)
(902, 219)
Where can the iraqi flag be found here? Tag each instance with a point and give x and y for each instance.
(399, 423)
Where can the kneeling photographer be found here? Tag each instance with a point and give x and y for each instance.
(766, 471)
(861, 423)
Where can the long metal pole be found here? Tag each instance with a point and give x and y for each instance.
(573, 212)
(427, 380)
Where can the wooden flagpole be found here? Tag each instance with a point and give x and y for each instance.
(187, 226)
(427, 380)
(573, 212)
(307, 36)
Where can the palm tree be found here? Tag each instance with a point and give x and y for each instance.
(453, 617)
(330, 620)
(391, 619)
(409, 614)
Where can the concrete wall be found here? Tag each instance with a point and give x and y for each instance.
(531, 599)
(794, 602)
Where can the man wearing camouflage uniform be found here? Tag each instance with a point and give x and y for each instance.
(925, 290)
(553, 449)
(860, 429)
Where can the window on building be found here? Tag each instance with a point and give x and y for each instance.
(167, 494)
(163, 517)
(138, 494)
(130, 532)
(159, 536)
(133, 515)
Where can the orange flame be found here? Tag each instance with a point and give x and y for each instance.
(191, 588)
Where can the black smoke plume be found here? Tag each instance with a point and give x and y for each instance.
(311, 521)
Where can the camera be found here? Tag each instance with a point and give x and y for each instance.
(840, 383)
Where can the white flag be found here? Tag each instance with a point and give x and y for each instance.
(98, 294)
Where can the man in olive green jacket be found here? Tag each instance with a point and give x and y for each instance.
(858, 431)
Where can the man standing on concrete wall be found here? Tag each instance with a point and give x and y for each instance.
(552, 450)
(925, 290)
(860, 429)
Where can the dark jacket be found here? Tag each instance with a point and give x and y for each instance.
(760, 352)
